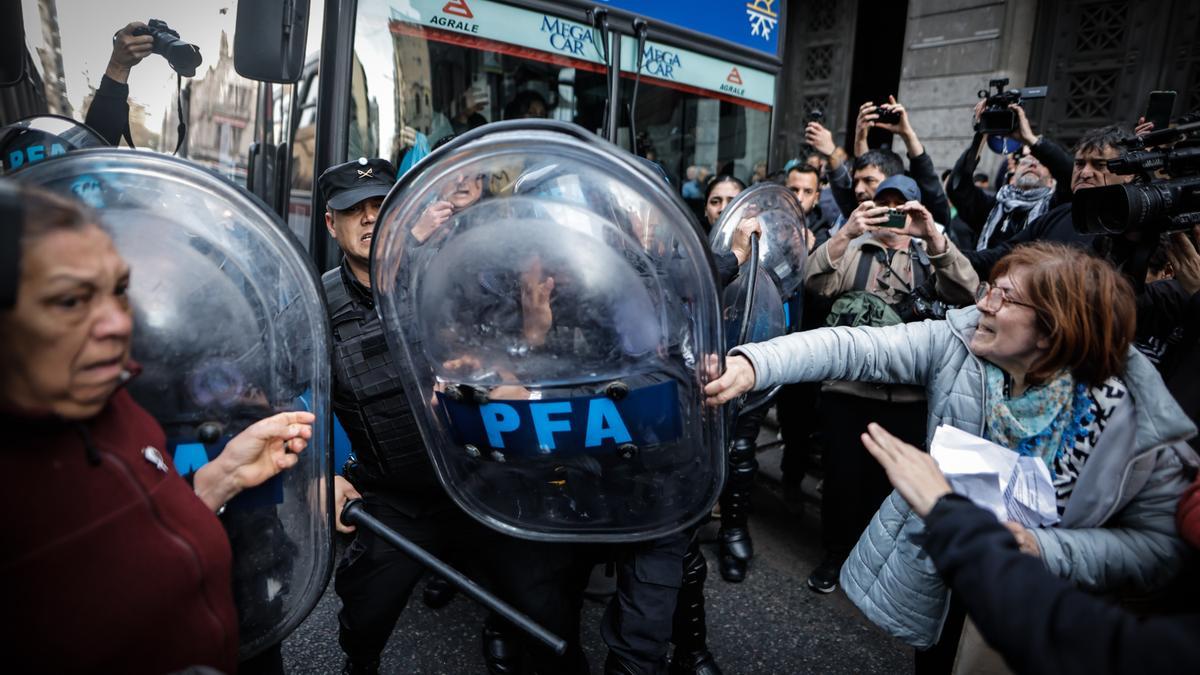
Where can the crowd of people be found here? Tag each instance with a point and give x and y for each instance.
(927, 300)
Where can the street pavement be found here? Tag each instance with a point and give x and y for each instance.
(771, 623)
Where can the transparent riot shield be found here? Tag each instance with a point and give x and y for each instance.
(755, 302)
(556, 306)
(229, 327)
(782, 250)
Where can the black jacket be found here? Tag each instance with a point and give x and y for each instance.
(974, 203)
(1054, 225)
(109, 111)
(920, 169)
(1038, 622)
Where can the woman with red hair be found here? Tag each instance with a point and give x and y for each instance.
(1041, 364)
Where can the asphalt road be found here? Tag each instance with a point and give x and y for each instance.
(771, 623)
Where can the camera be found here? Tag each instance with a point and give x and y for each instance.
(996, 118)
(815, 115)
(1164, 196)
(887, 115)
(896, 219)
(183, 56)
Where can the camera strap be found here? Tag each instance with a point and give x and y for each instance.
(181, 130)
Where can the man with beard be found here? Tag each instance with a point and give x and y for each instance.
(1041, 181)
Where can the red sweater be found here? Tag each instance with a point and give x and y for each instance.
(109, 563)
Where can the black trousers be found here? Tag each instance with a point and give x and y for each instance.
(855, 484)
(638, 621)
(374, 580)
(796, 410)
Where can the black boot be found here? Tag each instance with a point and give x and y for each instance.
(736, 547)
(693, 663)
(689, 629)
(736, 550)
(438, 593)
(501, 651)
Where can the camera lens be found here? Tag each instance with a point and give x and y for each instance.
(1118, 208)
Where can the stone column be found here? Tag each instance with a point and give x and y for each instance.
(952, 49)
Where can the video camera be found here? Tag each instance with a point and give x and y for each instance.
(1151, 204)
(997, 118)
(184, 57)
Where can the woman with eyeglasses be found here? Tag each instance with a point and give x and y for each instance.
(1041, 364)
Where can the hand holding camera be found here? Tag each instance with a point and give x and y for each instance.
(865, 218)
(820, 138)
(183, 57)
(918, 222)
(128, 50)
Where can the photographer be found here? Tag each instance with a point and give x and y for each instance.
(1041, 180)
(1089, 169)
(109, 112)
(893, 117)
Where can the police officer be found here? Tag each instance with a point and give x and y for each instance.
(391, 470)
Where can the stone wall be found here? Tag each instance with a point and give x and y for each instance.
(952, 49)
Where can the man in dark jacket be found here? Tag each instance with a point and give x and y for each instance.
(1089, 169)
(1041, 181)
(1038, 622)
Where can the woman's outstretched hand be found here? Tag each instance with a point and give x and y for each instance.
(912, 472)
(737, 380)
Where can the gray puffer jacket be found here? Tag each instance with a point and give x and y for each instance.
(1118, 528)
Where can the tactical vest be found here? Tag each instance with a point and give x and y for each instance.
(367, 395)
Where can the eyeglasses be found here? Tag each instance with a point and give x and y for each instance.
(986, 297)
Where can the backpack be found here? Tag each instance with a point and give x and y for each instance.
(862, 308)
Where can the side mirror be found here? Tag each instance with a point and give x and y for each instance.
(268, 44)
(12, 44)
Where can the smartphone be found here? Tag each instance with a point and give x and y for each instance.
(887, 115)
(896, 219)
(1158, 109)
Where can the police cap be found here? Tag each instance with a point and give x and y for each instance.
(345, 185)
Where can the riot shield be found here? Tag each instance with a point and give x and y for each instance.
(782, 250)
(556, 306)
(755, 302)
(41, 137)
(229, 327)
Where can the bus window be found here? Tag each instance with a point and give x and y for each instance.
(432, 71)
(678, 129)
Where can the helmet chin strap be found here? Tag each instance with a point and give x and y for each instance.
(12, 218)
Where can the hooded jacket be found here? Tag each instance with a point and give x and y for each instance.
(111, 563)
(1118, 528)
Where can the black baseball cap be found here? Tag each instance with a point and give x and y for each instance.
(345, 185)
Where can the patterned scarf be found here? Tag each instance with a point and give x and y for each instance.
(1042, 421)
(1010, 199)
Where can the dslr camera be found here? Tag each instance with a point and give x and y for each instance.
(1163, 197)
(997, 119)
(184, 57)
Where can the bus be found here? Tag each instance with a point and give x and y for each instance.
(690, 86)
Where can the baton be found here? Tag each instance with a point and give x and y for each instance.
(355, 514)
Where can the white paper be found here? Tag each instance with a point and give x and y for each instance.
(998, 479)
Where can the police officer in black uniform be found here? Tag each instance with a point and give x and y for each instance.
(391, 468)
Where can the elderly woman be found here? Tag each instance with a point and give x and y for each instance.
(111, 561)
(1042, 364)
